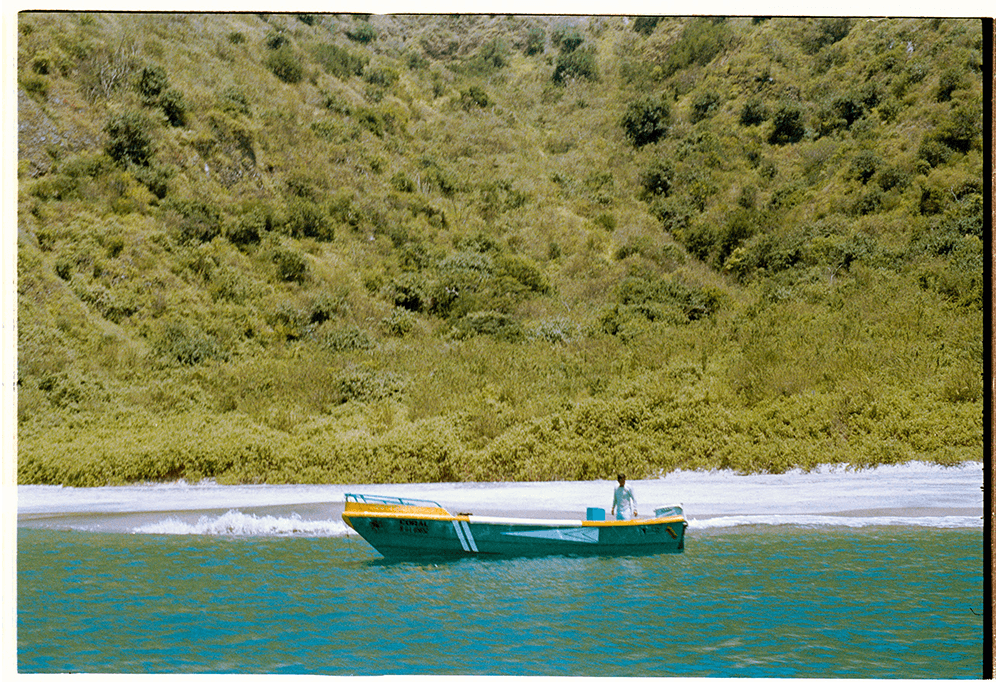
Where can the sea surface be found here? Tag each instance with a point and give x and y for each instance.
(875, 573)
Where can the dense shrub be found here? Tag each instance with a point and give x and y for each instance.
(704, 105)
(381, 76)
(892, 177)
(366, 385)
(362, 32)
(754, 112)
(339, 61)
(285, 64)
(151, 81)
(699, 43)
(275, 40)
(948, 82)
(171, 102)
(535, 42)
(646, 120)
(290, 265)
(963, 130)
(304, 218)
(492, 56)
(933, 151)
(490, 323)
(788, 125)
(864, 165)
(474, 96)
(580, 63)
(234, 100)
(200, 221)
(658, 179)
(825, 32)
(692, 301)
(128, 139)
(346, 338)
(408, 291)
(840, 113)
(183, 342)
(870, 201)
(399, 322)
(35, 85)
(645, 25)
(567, 39)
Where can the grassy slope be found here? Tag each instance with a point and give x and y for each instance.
(368, 275)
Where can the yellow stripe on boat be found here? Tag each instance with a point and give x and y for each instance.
(409, 511)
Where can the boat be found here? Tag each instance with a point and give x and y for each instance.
(401, 528)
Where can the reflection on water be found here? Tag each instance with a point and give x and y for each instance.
(884, 602)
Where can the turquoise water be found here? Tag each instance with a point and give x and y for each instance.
(751, 601)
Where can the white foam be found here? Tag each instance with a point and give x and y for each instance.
(818, 521)
(239, 524)
(839, 493)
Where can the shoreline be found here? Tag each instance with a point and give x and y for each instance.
(933, 496)
(131, 521)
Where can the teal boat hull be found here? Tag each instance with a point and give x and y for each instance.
(409, 530)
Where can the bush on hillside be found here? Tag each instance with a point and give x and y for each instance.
(151, 81)
(567, 39)
(701, 40)
(825, 32)
(474, 96)
(362, 32)
(339, 61)
(289, 265)
(275, 40)
(754, 112)
(789, 127)
(535, 42)
(645, 25)
(489, 323)
(492, 56)
(184, 342)
(864, 165)
(171, 102)
(646, 120)
(704, 105)
(285, 64)
(657, 180)
(128, 139)
(580, 63)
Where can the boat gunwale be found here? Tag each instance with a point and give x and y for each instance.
(413, 513)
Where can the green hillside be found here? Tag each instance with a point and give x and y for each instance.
(318, 248)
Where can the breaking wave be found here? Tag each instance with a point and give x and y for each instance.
(239, 524)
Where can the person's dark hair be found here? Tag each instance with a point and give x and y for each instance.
(621, 477)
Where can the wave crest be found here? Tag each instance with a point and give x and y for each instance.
(239, 524)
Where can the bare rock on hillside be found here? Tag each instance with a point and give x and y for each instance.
(41, 139)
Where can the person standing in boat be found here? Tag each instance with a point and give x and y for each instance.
(624, 501)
